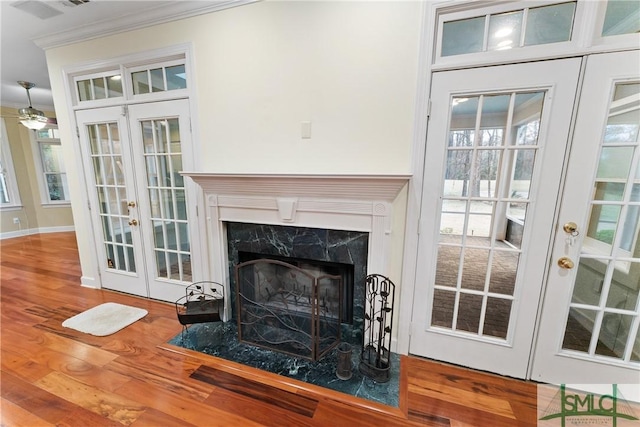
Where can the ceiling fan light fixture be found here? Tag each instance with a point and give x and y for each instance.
(32, 118)
(29, 116)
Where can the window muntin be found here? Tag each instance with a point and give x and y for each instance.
(486, 180)
(507, 30)
(110, 185)
(166, 188)
(606, 290)
(120, 83)
(99, 86)
(9, 194)
(615, 208)
(155, 78)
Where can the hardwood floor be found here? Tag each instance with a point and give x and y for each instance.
(54, 376)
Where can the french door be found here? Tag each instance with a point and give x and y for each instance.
(139, 202)
(589, 329)
(497, 267)
(495, 150)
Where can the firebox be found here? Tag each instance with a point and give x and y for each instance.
(288, 309)
(317, 251)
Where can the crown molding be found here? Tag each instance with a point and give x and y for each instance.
(160, 15)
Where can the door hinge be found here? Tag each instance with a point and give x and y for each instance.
(78, 131)
(428, 109)
(125, 110)
(89, 204)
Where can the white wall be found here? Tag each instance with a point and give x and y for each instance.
(261, 69)
(349, 68)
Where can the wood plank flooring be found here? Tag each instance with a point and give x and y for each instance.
(54, 376)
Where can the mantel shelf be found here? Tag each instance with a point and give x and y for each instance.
(326, 186)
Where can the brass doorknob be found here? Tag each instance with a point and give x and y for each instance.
(131, 204)
(565, 262)
(570, 227)
(133, 222)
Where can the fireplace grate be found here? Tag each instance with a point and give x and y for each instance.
(287, 309)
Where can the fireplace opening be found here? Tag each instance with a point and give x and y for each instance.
(316, 269)
(318, 247)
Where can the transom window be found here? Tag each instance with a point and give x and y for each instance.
(508, 30)
(482, 33)
(159, 78)
(621, 17)
(100, 86)
(124, 82)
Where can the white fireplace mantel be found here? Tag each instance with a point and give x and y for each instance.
(340, 202)
(356, 187)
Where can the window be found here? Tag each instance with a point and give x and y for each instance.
(53, 181)
(621, 17)
(99, 86)
(615, 209)
(9, 195)
(159, 78)
(118, 83)
(507, 30)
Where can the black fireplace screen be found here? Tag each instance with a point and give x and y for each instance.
(287, 309)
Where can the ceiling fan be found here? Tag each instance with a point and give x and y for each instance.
(29, 116)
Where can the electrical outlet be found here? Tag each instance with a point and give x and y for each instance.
(16, 220)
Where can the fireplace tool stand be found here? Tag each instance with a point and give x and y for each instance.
(375, 359)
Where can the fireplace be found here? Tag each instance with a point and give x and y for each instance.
(315, 251)
(343, 219)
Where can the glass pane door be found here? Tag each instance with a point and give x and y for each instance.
(167, 198)
(591, 310)
(105, 145)
(139, 201)
(490, 158)
(161, 142)
(111, 192)
(603, 311)
(493, 164)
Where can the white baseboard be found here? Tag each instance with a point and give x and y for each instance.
(89, 282)
(30, 231)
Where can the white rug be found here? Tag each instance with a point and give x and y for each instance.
(104, 319)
